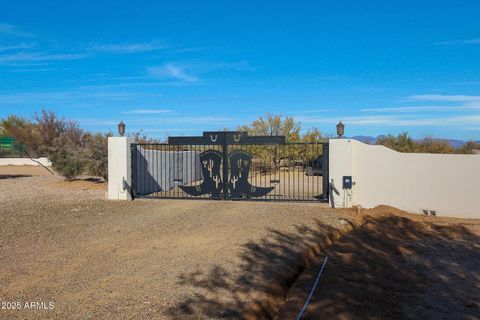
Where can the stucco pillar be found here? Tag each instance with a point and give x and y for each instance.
(119, 168)
(340, 164)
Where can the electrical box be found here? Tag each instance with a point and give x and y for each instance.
(347, 182)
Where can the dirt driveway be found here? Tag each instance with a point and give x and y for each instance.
(63, 243)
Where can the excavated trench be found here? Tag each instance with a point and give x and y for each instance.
(383, 264)
(267, 307)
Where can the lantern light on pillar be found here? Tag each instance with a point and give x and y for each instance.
(340, 129)
(121, 128)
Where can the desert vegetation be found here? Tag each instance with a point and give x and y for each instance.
(74, 152)
(405, 143)
(71, 150)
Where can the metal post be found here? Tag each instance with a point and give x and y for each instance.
(133, 156)
(325, 178)
(225, 166)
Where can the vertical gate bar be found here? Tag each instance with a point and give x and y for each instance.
(147, 170)
(147, 181)
(168, 161)
(289, 175)
(159, 171)
(264, 168)
(316, 184)
(133, 159)
(268, 173)
(154, 170)
(298, 172)
(189, 175)
(293, 174)
(150, 169)
(225, 166)
(177, 169)
(194, 177)
(311, 153)
(256, 171)
(170, 167)
(302, 170)
(325, 171)
(269, 195)
(283, 180)
(142, 179)
(162, 170)
(166, 155)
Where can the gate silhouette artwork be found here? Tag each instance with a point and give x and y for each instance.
(238, 185)
(230, 165)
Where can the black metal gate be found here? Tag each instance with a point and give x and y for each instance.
(231, 165)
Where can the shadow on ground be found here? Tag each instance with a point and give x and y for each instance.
(14, 176)
(266, 270)
(392, 268)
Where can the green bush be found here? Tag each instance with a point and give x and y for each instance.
(96, 154)
(67, 159)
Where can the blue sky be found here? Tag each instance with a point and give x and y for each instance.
(181, 67)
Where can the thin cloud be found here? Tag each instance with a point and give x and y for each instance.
(459, 42)
(172, 71)
(29, 57)
(466, 120)
(423, 108)
(30, 70)
(445, 98)
(126, 48)
(20, 46)
(188, 72)
(70, 97)
(315, 111)
(183, 120)
(146, 111)
(9, 30)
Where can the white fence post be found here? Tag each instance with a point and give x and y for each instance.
(119, 168)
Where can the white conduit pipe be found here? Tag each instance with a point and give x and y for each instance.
(311, 291)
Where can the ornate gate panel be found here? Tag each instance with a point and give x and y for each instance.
(231, 165)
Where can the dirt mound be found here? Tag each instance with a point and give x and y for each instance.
(396, 266)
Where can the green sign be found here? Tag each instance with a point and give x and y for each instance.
(6, 143)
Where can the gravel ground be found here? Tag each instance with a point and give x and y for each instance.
(163, 259)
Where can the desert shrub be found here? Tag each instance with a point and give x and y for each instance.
(429, 145)
(67, 159)
(140, 137)
(96, 154)
(470, 147)
(274, 125)
(404, 143)
(401, 143)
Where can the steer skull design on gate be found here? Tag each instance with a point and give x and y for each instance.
(238, 184)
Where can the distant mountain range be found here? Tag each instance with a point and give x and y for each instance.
(372, 140)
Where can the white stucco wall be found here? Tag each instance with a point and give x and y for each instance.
(24, 162)
(448, 184)
(119, 168)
